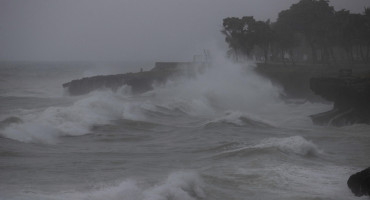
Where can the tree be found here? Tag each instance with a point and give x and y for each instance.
(366, 33)
(243, 34)
(310, 18)
(239, 35)
(351, 33)
(263, 36)
(309, 27)
(285, 39)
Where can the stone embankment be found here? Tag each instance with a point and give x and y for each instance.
(351, 98)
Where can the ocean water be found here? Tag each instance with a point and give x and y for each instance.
(225, 134)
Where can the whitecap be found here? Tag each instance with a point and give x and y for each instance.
(296, 145)
(241, 119)
(181, 185)
(100, 107)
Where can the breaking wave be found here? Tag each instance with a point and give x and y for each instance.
(241, 119)
(296, 145)
(178, 186)
(300, 181)
(225, 87)
(98, 108)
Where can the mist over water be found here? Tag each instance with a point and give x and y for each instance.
(224, 86)
(225, 133)
(225, 91)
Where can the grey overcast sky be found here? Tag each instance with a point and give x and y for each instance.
(129, 30)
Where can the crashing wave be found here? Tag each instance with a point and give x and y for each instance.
(241, 119)
(290, 145)
(45, 127)
(178, 186)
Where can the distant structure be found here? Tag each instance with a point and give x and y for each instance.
(188, 68)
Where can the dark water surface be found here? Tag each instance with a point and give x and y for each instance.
(225, 134)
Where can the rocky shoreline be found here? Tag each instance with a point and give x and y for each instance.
(139, 82)
(348, 88)
(350, 93)
(351, 98)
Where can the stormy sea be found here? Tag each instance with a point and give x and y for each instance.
(224, 134)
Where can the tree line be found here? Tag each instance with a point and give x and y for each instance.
(309, 31)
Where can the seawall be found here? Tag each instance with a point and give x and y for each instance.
(295, 79)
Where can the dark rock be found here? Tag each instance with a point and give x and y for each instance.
(351, 97)
(86, 85)
(294, 78)
(140, 82)
(359, 183)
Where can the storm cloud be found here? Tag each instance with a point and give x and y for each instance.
(130, 30)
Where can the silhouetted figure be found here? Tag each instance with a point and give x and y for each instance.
(359, 183)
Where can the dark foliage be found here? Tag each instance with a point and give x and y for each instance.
(308, 30)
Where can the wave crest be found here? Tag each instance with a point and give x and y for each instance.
(291, 145)
(46, 126)
(295, 144)
(178, 186)
(241, 119)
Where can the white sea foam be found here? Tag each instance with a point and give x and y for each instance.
(97, 108)
(241, 119)
(223, 87)
(234, 88)
(295, 144)
(290, 181)
(291, 145)
(178, 186)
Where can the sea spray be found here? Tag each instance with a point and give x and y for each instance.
(295, 145)
(180, 185)
(223, 87)
(131, 157)
(100, 107)
(290, 181)
(229, 87)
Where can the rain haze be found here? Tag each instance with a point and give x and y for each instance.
(184, 99)
(129, 30)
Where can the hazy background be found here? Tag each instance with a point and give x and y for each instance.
(126, 30)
